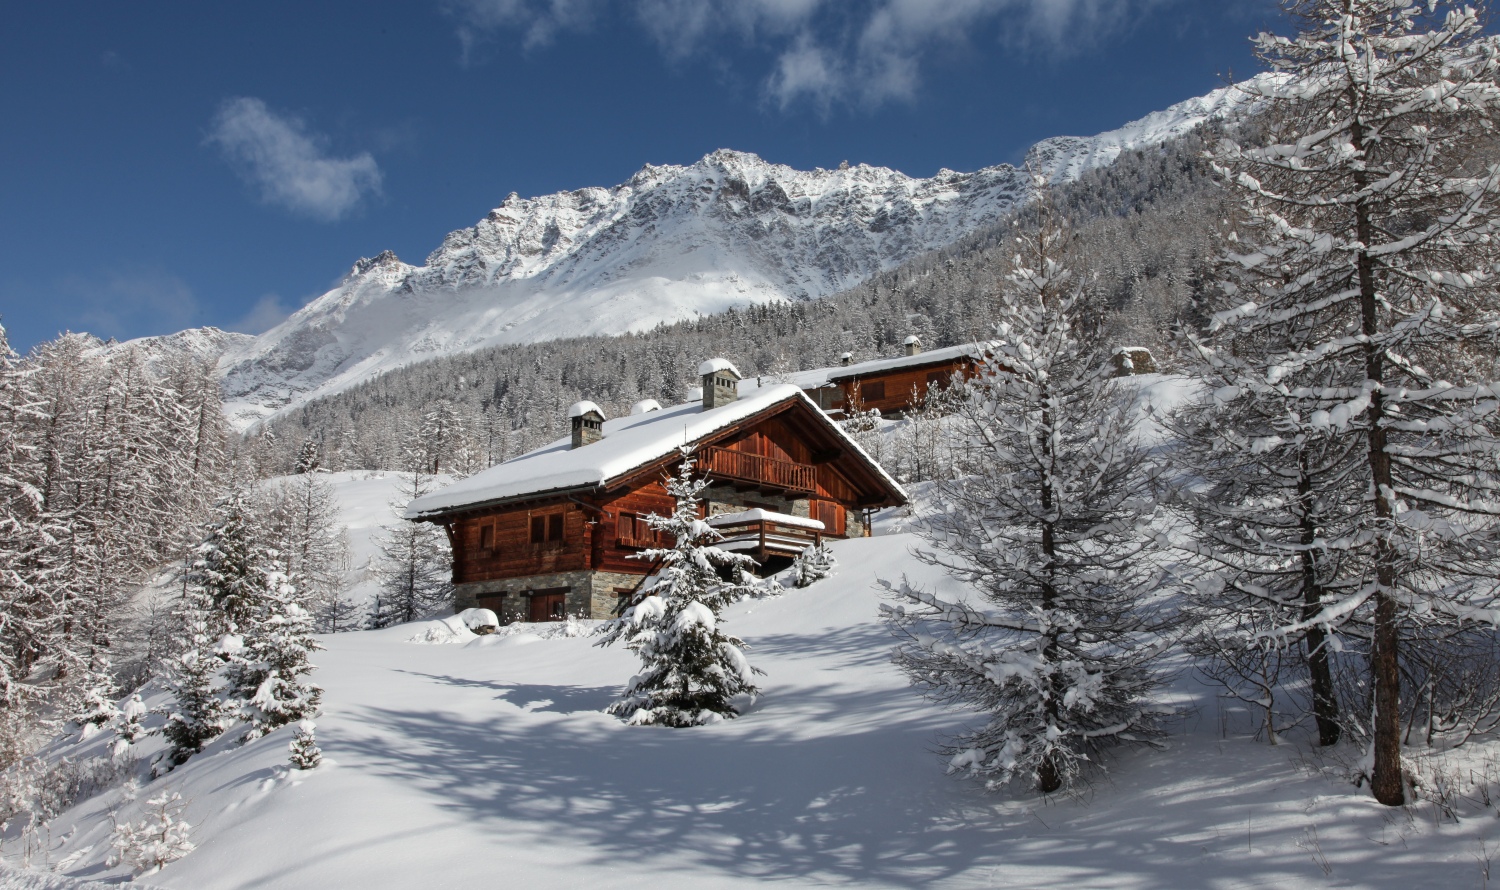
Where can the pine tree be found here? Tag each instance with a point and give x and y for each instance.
(267, 675)
(1057, 643)
(199, 712)
(235, 568)
(414, 564)
(690, 669)
(1367, 299)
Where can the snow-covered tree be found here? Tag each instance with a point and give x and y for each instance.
(305, 753)
(235, 568)
(311, 545)
(813, 564)
(1055, 641)
(414, 566)
(268, 674)
(199, 712)
(157, 840)
(1263, 499)
(1366, 307)
(691, 670)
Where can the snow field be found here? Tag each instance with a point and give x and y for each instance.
(450, 765)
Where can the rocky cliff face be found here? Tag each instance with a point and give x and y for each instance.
(670, 243)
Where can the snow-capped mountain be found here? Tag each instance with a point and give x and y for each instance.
(202, 344)
(670, 243)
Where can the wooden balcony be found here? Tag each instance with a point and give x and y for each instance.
(761, 472)
(763, 533)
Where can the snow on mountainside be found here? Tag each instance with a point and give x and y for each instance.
(204, 344)
(670, 243)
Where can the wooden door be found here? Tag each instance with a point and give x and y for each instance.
(548, 605)
(831, 514)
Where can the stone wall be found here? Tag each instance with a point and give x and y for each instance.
(591, 594)
(726, 499)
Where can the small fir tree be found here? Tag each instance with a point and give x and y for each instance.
(157, 840)
(199, 713)
(690, 669)
(267, 676)
(305, 753)
(813, 564)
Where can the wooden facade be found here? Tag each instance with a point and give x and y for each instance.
(578, 552)
(894, 391)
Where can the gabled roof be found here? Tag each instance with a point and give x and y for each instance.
(629, 444)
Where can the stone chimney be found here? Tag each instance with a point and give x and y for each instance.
(588, 423)
(912, 345)
(721, 383)
(845, 358)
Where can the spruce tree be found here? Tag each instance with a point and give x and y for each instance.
(1055, 644)
(691, 670)
(1366, 304)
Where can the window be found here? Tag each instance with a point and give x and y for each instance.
(547, 530)
(632, 530)
(872, 392)
(937, 378)
(487, 536)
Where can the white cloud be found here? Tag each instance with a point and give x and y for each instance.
(267, 313)
(288, 165)
(540, 21)
(861, 52)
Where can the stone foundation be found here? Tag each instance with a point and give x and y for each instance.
(590, 594)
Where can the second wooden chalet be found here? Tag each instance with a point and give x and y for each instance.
(553, 532)
(889, 385)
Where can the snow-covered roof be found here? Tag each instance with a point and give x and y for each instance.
(628, 443)
(645, 406)
(820, 377)
(758, 514)
(715, 365)
(578, 409)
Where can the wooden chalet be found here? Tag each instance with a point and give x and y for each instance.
(889, 385)
(555, 532)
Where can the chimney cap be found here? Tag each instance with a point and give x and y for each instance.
(715, 365)
(911, 340)
(584, 408)
(645, 406)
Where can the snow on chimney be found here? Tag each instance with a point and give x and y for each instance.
(846, 358)
(588, 423)
(913, 345)
(721, 382)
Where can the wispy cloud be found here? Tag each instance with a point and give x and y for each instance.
(268, 312)
(288, 165)
(855, 52)
(131, 302)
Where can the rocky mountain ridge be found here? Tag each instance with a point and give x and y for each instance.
(669, 243)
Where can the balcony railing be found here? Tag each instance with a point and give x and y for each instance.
(770, 472)
(764, 533)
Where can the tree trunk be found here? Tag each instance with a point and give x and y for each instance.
(1386, 782)
(1325, 701)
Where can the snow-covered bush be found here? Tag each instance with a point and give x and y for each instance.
(158, 839)
(813, 564)
(1056, 644)
(130, 725)
(305, 753)
(690, 669)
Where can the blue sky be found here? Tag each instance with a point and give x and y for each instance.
(171, 164)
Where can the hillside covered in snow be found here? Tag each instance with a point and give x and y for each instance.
(671, 243)
(479, 759)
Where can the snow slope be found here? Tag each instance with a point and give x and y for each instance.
(490, 760)
(670, 243)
